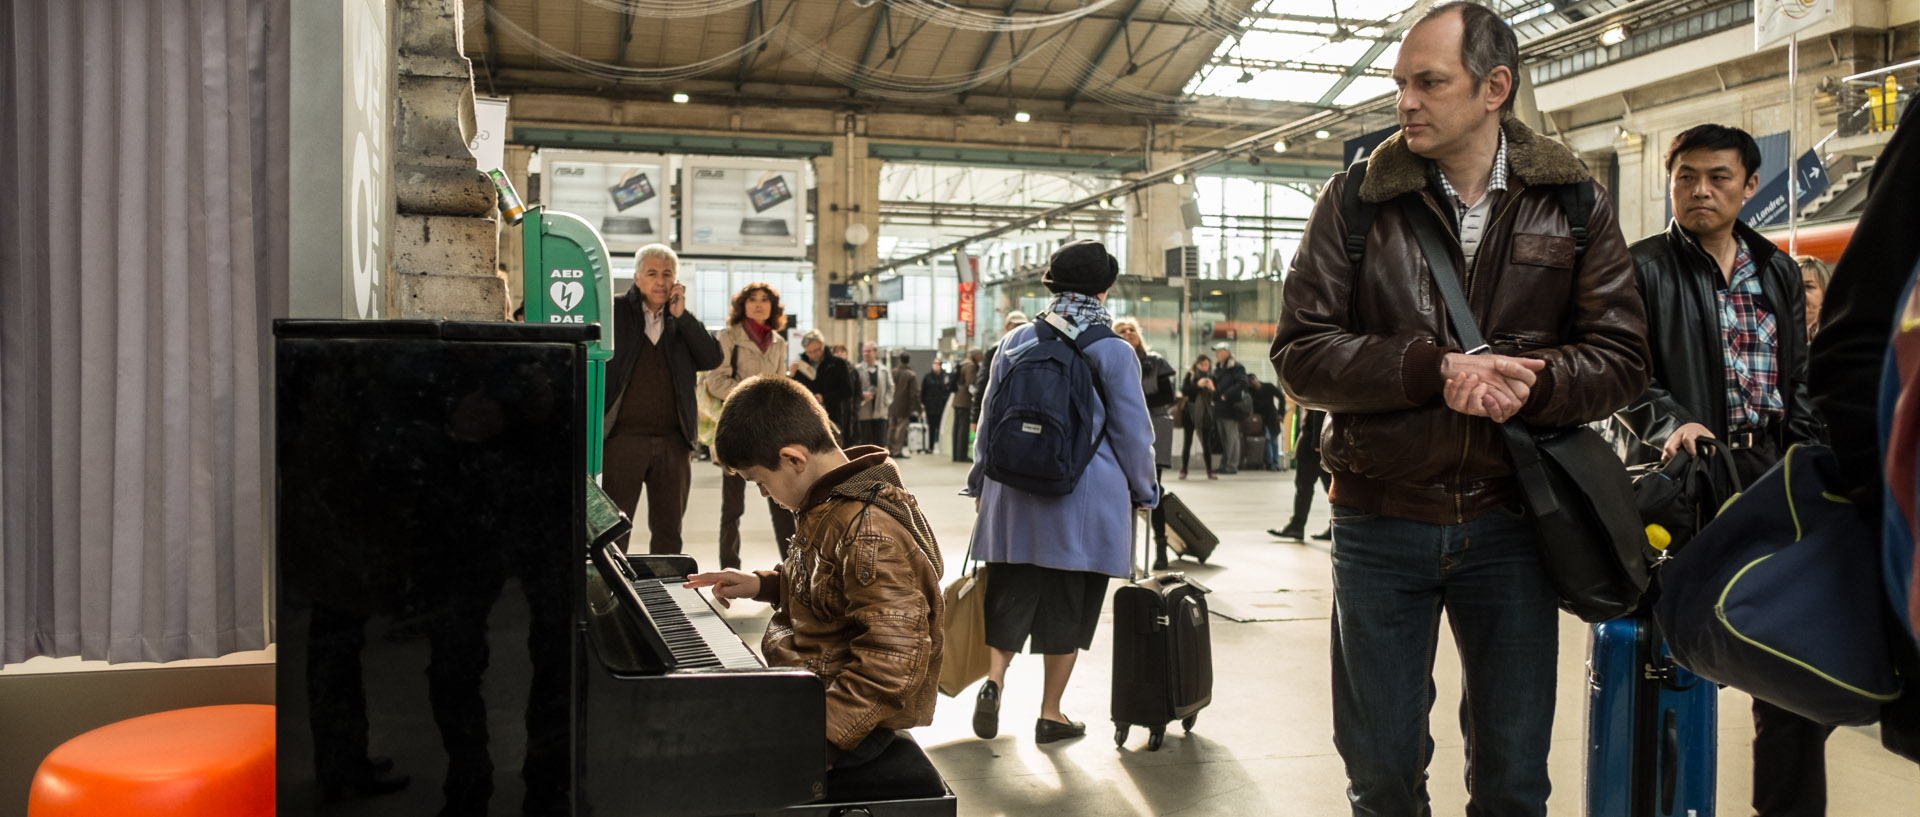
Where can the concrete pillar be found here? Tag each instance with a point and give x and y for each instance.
(848, 193)
(1154, 223)
(1636, 203)
(445, 239)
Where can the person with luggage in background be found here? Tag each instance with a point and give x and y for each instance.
(1266, 406)
(934, 390)
(1307, 471)
(1231, 404)
(1197, 387)
(1727, 313)
(964, 399)
(874, 395)
(1048, 557)
(1156, 381)
(1428, 517)
(750, 346)
(906, 401)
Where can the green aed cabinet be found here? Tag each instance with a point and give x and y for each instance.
(569, 280)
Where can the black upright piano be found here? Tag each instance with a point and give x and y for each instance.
(448, 641)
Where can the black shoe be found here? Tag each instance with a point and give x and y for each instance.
(1046, 731)
(1325, 535)
(1159, 564)
(986, 711)
(1297, 533)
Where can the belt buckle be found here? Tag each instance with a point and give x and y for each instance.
(1740, 440)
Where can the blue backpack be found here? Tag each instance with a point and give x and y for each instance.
(1038, 441)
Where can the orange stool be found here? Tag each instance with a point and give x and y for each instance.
(210, 760)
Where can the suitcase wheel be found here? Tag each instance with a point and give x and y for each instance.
(1186, 724)
(1120, 734)
(1155, 737)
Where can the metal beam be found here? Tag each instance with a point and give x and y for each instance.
(1101, 55)
(860, 71)
(645, 142)
(1018, 159)
(626, 34)
(1387, 38)
(1307, 67)
(993, 39)
(754, 21)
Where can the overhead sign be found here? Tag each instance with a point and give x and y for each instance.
(489, 143)
(622, 195)
(1768, 207)
(1360, 147)
(743, 207)
(965, 318)
(1773, 20)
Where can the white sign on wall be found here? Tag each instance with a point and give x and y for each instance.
(1773, 20)
(489, 143)
(743, 207)
(623, 195)
(368, 197)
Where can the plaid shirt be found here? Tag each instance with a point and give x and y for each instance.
(1747, 334)
(1473, 219)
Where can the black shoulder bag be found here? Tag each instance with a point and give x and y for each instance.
(1591, 537)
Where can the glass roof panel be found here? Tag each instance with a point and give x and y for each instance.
(1298, 50)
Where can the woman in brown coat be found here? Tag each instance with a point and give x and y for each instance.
(750, 346)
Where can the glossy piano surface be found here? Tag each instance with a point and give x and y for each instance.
(440, 650)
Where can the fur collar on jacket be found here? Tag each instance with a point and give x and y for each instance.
(1393, 170)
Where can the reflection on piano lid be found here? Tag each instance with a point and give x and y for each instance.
(764, 226)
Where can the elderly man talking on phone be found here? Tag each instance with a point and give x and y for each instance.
(650, 415)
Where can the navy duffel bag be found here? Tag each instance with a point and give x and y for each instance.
(1780, 597)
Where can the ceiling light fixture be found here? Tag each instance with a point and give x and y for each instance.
(1179, 178)
(1322, 134)
(1613, 36)
(1022, 116)
(1280, 146)
(681, 99)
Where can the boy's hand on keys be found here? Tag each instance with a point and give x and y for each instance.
(727, 584)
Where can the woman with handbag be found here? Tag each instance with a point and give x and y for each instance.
(1197, 387)
(751, 346)
(1156, 380)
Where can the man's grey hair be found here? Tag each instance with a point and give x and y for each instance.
(657, 251)
(1014, 318)
(1486, 43)
(811, 337)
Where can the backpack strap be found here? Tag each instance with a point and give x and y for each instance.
(1577, 201)
(1358, 214)
(1045, 330)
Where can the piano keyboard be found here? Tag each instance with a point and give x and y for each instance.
(693, 631)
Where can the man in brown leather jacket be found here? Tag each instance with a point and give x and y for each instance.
(1427, 516)
(857, 600)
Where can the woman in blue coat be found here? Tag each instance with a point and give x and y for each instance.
(1049, 557)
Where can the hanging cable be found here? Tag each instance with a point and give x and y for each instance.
(670, 8)
(593, 68)
(952, 16)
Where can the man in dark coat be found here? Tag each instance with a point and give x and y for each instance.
(831, 381)
(1726, 320)
(934, 389)
(1266, 405)
(650, 418)
(1229, 390)
(964, 401)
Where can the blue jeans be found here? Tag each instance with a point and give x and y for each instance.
(1391, 579)
(1273, 450)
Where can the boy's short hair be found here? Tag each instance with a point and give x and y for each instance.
(763, 415)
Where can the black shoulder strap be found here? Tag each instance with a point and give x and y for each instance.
(1358, 214)
(1577, 201)
(1520, 441)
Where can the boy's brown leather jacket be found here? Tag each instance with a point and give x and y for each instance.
(857, 600)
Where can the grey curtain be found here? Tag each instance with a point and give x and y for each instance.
(142, 245)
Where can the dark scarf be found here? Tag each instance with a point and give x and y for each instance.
(759, 333)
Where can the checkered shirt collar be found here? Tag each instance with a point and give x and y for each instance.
(1497, 181)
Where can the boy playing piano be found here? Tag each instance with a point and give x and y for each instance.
(857, 599)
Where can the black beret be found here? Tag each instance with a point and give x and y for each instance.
(1082, 266)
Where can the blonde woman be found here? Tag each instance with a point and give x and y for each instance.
(750, 346)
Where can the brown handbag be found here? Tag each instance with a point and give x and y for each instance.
(965, 655)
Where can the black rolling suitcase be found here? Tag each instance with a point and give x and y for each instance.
(1162, 654)
(1186, 534)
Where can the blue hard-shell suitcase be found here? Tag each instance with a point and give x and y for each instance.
(1650, 727)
